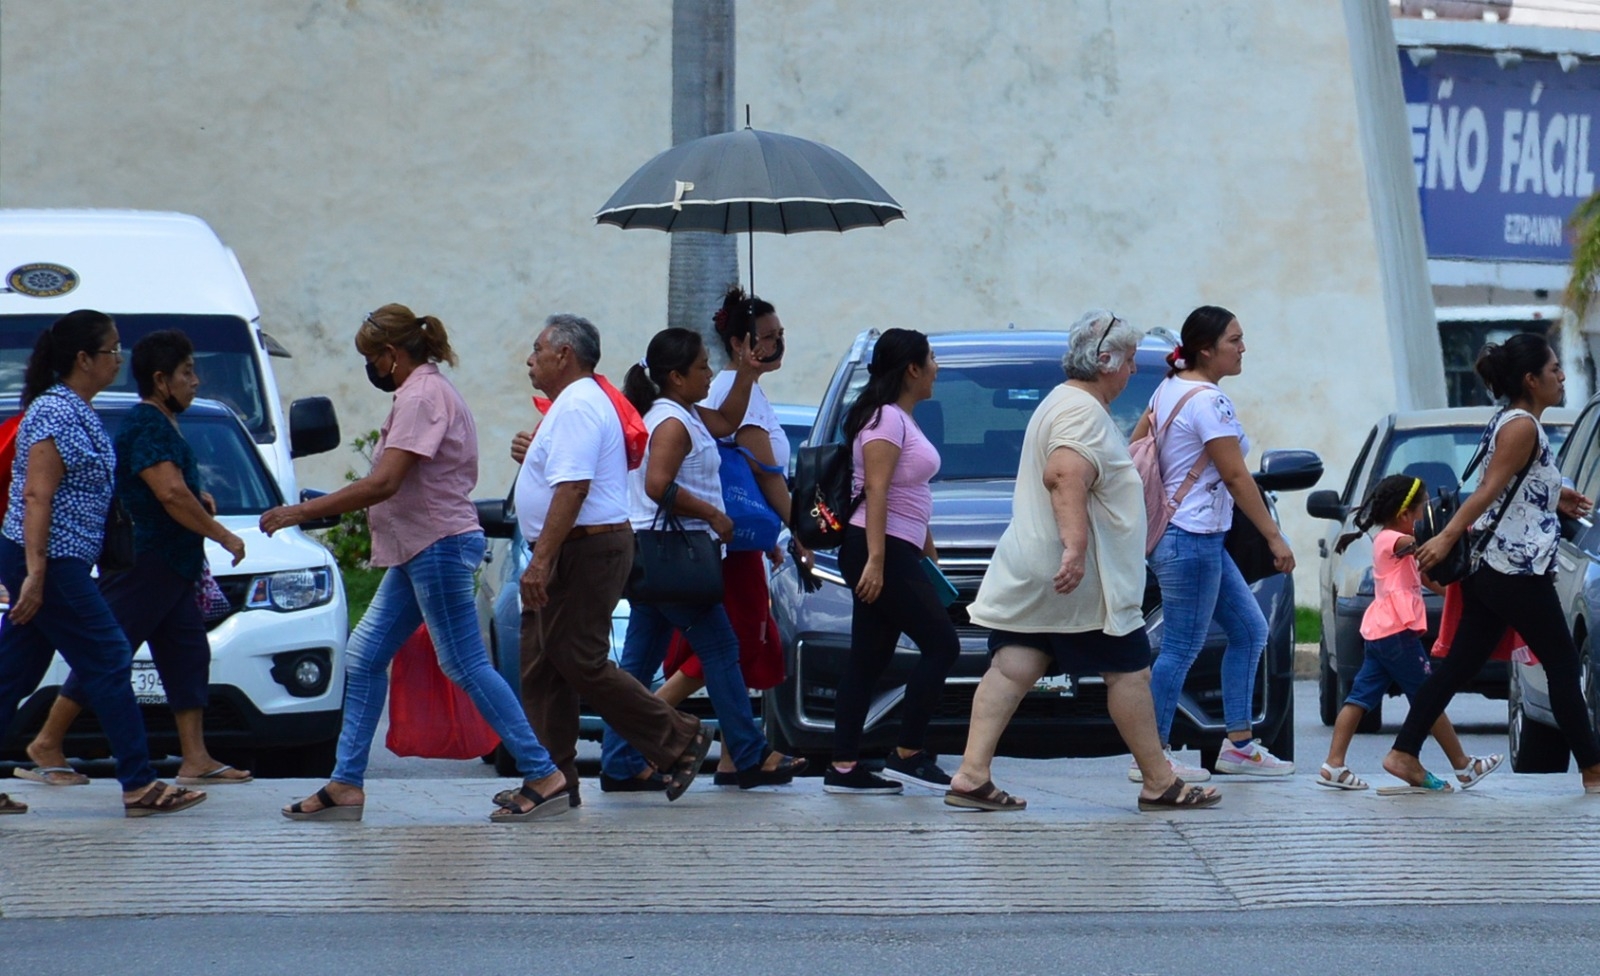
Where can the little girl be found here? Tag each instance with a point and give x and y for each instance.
(1392, 627)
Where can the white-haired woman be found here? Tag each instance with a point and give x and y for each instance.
(1078, 515)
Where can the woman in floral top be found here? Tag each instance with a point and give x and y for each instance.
(54, 525)
(1513, 585)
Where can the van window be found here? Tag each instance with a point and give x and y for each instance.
(223, 357)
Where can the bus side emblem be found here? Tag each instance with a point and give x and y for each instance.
(41, 280)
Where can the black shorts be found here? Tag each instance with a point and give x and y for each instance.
(1090, 652)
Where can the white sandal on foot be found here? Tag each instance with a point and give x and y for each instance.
(1340, 778)
(1477, 768)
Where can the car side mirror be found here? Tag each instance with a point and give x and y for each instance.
(1289, 470)
(497, 523)
(327, 521)
(313, 427)
(1325, 504)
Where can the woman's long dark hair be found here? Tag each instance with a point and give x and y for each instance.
(56, 350)
(1504, 367)
(896, 351)
(670, 351)
(1202, 330)
(1387, 499)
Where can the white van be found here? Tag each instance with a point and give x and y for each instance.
(153, 271)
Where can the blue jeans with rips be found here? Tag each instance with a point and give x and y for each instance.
(1199, 584)
(711, 635)
(436, 586)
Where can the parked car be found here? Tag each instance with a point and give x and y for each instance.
(1434, 445)
(989, 385)
(1536, 745)
(796, 420)
(277, 674)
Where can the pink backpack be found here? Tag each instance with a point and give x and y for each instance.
(1146, 452)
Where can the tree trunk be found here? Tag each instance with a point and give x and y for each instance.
(702, 265)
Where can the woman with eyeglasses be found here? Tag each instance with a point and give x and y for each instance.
(55, 519)
(1202, 448)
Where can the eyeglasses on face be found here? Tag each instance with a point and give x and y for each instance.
(115, 351)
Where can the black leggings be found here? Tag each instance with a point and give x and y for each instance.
(908, 605)
(1493, 601)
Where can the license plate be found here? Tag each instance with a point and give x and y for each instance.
(1059, 685)
(147, 687)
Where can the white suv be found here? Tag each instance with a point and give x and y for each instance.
(277, 678)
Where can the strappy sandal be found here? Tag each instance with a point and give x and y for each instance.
(543, 806)
(1341, 778)
(8, 805)
(330, 810)
(504, 797)
(161, 798)
(688, 765)
(1181, 796)
(1477, 768)
(986, 797)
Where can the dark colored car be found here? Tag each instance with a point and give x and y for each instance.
(1536, 745)
(1434, 445)
(988, 388)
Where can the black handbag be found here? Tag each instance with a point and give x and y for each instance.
(672, 564)
(1462, 558)
(1248, 547)
(116, 546)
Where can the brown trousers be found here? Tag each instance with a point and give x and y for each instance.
(566, 655)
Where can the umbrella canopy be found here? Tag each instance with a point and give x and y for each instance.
(750, 180)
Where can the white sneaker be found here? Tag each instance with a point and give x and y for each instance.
(1251, 760)
(1189, 774)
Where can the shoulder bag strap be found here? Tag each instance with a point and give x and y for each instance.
(1199, 465)
(1511, 493)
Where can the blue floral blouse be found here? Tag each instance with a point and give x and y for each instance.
(78, 514)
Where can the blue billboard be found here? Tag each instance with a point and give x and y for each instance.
(1502, 155)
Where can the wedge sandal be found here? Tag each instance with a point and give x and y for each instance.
(331, 810)
(543, 806)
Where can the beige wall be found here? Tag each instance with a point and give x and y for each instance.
(1052, 155)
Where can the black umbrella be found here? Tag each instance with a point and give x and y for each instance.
(750, 180)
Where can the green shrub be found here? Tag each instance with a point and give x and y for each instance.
(351, 540)
(1307, 625)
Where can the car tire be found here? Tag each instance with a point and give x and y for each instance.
(1534, 746)
(1327, 686)
(1586, 677)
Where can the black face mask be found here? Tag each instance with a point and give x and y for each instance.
(171, 403)
(777, 352)
(384, 383)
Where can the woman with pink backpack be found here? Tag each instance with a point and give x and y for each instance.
(1201, 448)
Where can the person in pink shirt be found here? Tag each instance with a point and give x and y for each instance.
(425, 532)
(1392, 627)
(881, 558)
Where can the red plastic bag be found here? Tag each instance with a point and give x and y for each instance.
(634, 433)
(8, 457)
(428, 715)
(1511, 643)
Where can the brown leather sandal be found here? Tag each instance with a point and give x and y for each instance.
(8, 805)
(986, 797)
(688, 765)
(161, 798)
(1181, 796)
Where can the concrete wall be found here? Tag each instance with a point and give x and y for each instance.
(1052, 155)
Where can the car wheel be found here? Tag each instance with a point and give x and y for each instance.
(1534, 746)
(314, 761)
(1327, 686)
(1586, 678)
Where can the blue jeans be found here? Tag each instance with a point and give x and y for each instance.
(1398, 658)
(436, 586)
(711, 636)
(1199, 584)
(74, 618)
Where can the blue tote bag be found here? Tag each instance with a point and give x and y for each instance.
(755, 524)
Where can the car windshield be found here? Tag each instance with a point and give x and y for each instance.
(1437, 455)
(223, 358)
(230, 468)
(981, 407)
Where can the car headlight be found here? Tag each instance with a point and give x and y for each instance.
(294, 589)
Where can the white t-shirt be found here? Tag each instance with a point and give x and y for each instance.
(758, 414)
(1016, 593)
(580, 439)
(1207, 416)
(700, 474)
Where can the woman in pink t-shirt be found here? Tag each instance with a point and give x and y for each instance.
(881, 559)
(425, 533)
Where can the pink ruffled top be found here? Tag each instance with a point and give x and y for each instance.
(1397, 600)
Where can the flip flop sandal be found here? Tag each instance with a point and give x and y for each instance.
(1430, 784)
(1180, 796)
(688, 765)
(52, 775)
(543, 806)
(217, 777)
(1340, 778)
(8, 805)
(330, 809)
(986, 797)
(161, 798)
(1477, 768)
